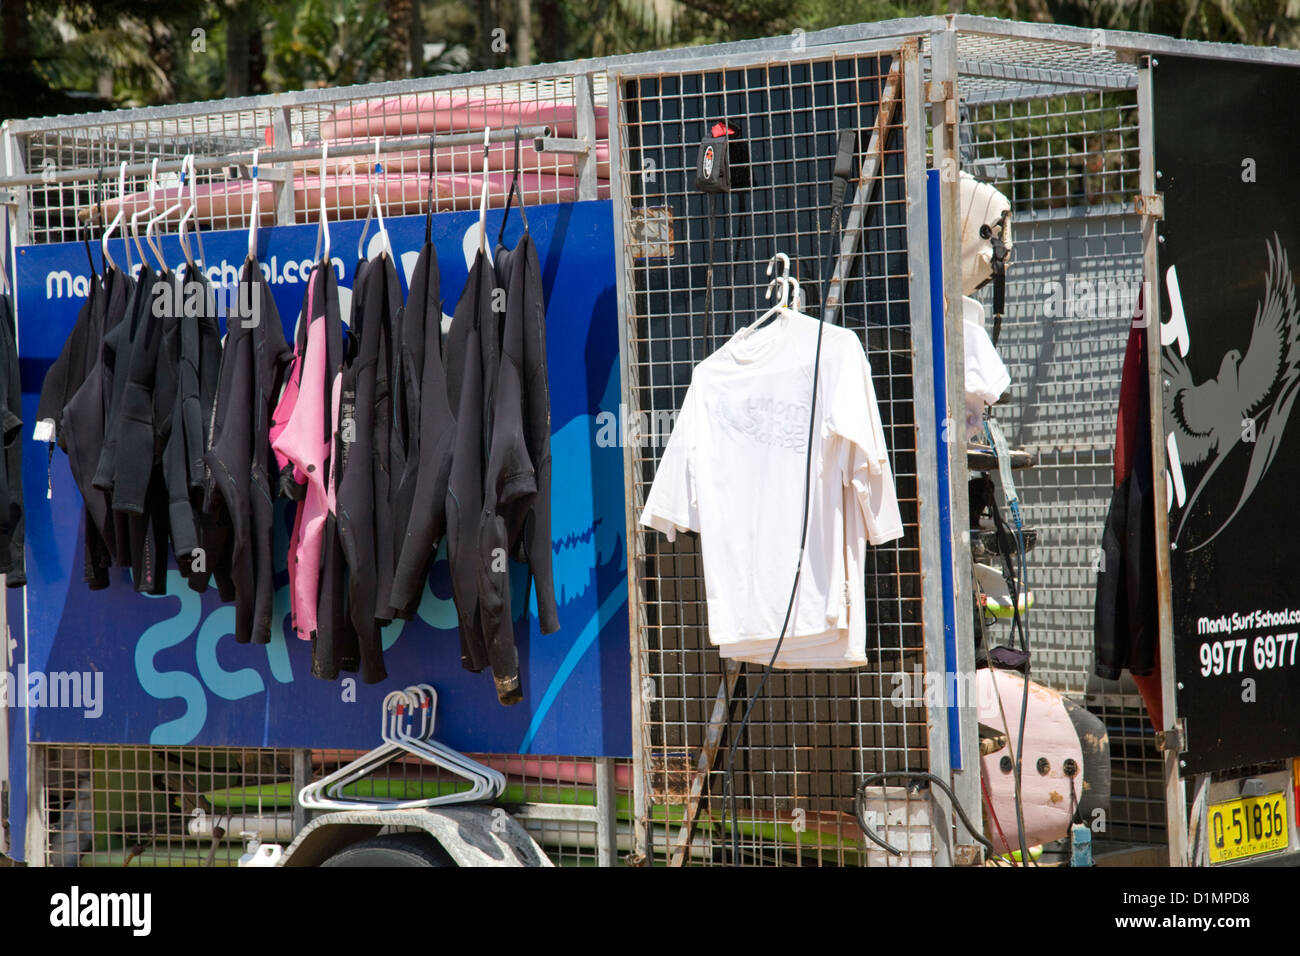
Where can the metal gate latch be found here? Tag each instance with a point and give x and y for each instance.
(1173, 740)
(1153, 205)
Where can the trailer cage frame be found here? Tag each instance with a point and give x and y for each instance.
(1017, 104)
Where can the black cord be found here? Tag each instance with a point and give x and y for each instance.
(1024, 698)
(711, 199)
(859, 806)
(1014, 575)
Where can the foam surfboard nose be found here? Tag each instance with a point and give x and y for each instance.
(1062, 745)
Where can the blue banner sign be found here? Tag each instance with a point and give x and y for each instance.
(115, 666)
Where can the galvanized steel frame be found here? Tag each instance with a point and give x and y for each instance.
(1175, 789)
(907, 55)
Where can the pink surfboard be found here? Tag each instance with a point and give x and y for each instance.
(463, 159)
(228, 205)
(430, 112)
(1051, 738)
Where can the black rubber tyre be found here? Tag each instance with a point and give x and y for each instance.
(395, 849)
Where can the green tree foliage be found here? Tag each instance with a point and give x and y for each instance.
(329, 43)
(62, 54)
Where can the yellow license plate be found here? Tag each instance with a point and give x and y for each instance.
(1248, 827)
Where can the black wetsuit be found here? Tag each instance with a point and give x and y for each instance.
(465, 384)
(364, 509)
(530, 519)
(240, 462)
(419, 505)
(196, 347)
(81, 429)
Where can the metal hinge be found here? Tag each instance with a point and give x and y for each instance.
(944, 91)
(1153, 205)
(967, 854)
(936, 91)
(1173, 740)
(650, 233)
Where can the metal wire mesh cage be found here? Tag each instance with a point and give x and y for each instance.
(401, 139)
(812, 734)
(1065, 153)
(198, 806)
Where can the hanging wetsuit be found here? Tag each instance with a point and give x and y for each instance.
(69, 371)
(530, 524)
(509, 485)
(240, 462)
(364, 493)
(399, 440)
(65, 377)
(197, 357)
(335, 648)
(1126, 620)
(12, 559)
(117, 350)
(301, 439)
(419, 505)
(467, 361)
(84, 422)
(127, 462)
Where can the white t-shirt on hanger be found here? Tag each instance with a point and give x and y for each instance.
(733, 471)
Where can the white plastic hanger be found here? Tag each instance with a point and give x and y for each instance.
(190, 216)
(117, 221)
(326, 793)
(254, 218)
(165, 214)
(789, 291)
(426, 700)
(311, 796)
(375, 208)
(323, 223)
(483, 197)
(151, 189)
(421, 703)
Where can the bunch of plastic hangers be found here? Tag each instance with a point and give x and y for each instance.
(400, 709)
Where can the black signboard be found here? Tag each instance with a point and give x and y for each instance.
(1226, 142)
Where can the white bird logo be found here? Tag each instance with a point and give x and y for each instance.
(1250, 399)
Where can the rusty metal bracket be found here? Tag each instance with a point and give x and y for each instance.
(937, 91)
(945, 92)
(968, 854)
(651, 232)
(1173, 740)
(1153, 205)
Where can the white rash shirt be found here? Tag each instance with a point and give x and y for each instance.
(733, 471)
(986, 377)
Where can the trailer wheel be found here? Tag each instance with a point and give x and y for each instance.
(394, 849)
